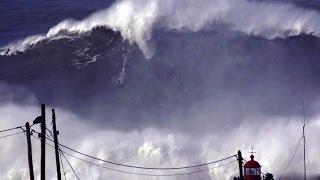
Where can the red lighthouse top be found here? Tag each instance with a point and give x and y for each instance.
(252, 163)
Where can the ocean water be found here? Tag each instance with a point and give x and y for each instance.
(24, 18)
(138, 60)
(162, 82)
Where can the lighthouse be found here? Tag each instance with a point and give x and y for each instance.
(252, 170)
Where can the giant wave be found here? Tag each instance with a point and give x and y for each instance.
(136, 20)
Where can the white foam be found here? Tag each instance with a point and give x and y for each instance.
(136, 19)
(274, 141)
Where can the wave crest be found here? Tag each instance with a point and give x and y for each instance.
(136, 19)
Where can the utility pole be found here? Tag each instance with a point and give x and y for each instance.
(56, 144)
(43, 143)
(304, 144)
(240, 165)
(29, 151)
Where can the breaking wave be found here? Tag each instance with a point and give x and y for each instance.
(136, 19)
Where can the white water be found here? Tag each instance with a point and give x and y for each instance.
(136, 19)
(274, 141)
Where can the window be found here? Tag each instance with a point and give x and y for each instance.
(252, 171)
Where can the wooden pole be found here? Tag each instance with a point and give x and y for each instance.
(56, 147)
(29, 151)
(43, 143)
(240, 165)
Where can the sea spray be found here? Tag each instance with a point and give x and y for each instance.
(136, 19)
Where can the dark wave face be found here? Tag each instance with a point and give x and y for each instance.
(192, 75)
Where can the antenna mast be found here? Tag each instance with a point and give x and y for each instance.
(304, 142)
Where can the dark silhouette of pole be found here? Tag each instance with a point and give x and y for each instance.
(240, 165)
(56, 147)
(29, 151)
(304, 143)
(43, 143)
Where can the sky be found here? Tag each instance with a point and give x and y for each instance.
(162, 83)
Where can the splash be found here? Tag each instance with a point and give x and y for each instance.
(156, 147)
(136, 20)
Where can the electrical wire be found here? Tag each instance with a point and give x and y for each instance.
(51, 134)
(10, 129)
(286, 161)
(11, 135)
(288, 158)
(141, 167)
(141, 174)
(149, 174)
(64, 172)
(74, 172)
(61, 152)
(291, 158)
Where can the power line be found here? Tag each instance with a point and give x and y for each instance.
(147, 174)
(61, 152)
(141, 167)
(10, 129)
(291, 158)
(51, 134)
(64, 172)
(288, 158)
(70, 165)
(150, 168)
(141, 174)
(11, 135)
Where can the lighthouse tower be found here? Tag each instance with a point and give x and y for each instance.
(252, 170)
